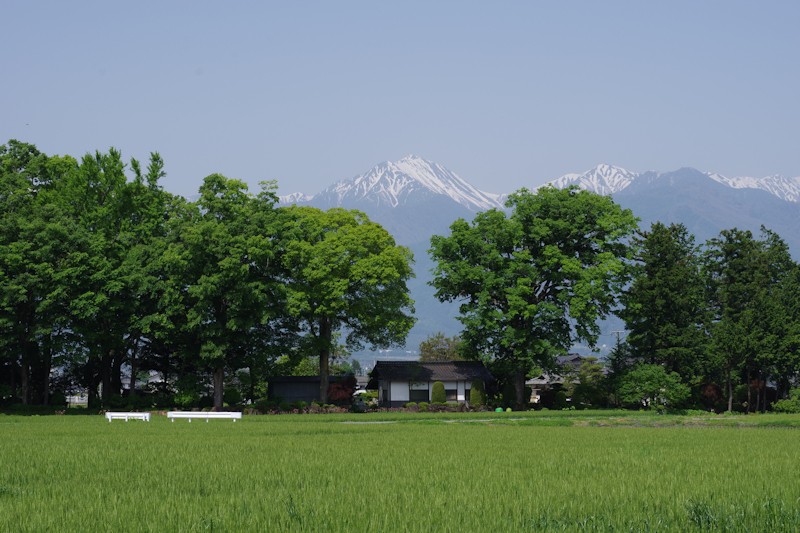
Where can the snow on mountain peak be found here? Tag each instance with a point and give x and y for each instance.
(391, 183)
(785, 188)
(294, 198)
(602, 179)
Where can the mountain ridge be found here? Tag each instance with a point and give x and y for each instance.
(396, 183)
(415, 198)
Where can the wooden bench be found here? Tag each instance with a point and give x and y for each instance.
(233, 415)
(127, 416)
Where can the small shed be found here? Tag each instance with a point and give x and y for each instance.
(400, 382)
(299, 388)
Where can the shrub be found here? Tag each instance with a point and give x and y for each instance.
(423, 406)
(477, 394)
(438, 395)
(790, 405)
(651, 385)
(58, 399)
(232, 396)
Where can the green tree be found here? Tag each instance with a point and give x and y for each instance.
(532, 283)
(344, 273)
(477, 394)
(744, 277)
(231, 285)
(588, 384)
(440, 348)
(664, 308)
(651, 386)
(34, 241)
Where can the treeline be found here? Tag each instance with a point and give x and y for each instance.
(104, 275)
(714, 325)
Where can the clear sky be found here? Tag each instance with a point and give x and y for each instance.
(506, 94)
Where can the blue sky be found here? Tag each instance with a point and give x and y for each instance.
(506, 94)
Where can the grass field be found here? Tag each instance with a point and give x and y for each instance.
(576, 471)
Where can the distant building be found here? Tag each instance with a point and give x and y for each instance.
(400, 382)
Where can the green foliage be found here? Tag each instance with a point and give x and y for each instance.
(440, 348)
(531, 283)
(343, 272)
(438, 394)
(790, 404)
(754, 318)
(590, 387)
(477, 394)
(651, 386)
(665, 304)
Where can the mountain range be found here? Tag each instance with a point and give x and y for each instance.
(415, 198)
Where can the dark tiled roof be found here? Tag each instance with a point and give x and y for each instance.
(437, 371)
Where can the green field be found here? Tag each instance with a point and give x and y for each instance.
(575, 471)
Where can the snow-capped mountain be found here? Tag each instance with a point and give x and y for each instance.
(785, 188)
(608, 179)
(294, 198)
(603, 179)
(396, 183)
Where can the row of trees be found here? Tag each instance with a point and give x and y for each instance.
(533, 282)
(101, 272)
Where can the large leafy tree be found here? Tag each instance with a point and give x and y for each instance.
(533, 282)
(665, 304)
(438, 347)
(227, 252)
(343, 273)
(34, 240)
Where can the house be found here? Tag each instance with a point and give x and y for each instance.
(565, 365)
(400, 382)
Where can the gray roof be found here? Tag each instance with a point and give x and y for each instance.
(434, 371)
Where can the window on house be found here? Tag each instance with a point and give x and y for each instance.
(451, 395)
(418, 392)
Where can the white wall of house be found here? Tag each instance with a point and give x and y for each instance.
(398, 391)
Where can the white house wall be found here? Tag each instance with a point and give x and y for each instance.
(399, 391)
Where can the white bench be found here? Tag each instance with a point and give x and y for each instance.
(233, 415)
(126, 416)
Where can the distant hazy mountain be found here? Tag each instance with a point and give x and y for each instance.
(414, 198)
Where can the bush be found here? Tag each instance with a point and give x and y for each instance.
(790, 405)
(438, 395)
(58, 399)
(477, 394)
(649, 386)
(232, 396)
(423, 406)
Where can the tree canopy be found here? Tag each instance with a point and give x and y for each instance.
(531, 283)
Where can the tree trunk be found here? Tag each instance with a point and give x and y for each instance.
(219, 384)
(105, 376)
(132, 383)
(116, 371)
(730, 391)
(325, 335)
(749, 389)
(519, 390)
(47, 363)
(24, 380)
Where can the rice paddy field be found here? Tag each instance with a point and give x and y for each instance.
(570, 471)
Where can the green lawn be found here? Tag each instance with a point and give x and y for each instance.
(398, 472)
